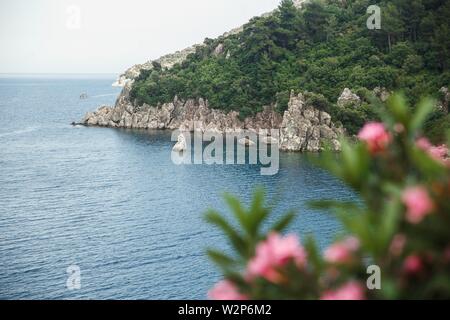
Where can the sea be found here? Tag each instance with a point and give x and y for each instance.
(110, 207)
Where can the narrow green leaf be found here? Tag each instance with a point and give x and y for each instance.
(314, 255)
(333, 204)
(428, 166)
(220, 258)
(258, 200)
(350, 165)
(389, 223)
(258, 213)
(235, 239)
(283, 222)
(398, 107)
(237, 210)
(424, 108)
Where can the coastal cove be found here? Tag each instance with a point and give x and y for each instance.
(189, 154)
(111, 201)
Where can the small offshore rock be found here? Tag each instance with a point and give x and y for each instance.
(180, 146)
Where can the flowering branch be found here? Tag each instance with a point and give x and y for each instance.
(401, 224)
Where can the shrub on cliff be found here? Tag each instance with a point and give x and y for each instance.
(400, 226)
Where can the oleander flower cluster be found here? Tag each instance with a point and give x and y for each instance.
(400, 224)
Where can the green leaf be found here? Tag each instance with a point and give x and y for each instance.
(390, 290)
(328, 161)
(257, 212)
(314, 255)
(237, 209)
(235, 277)
(220, 259)
(398, 107)
(283, 222)
(235, 239)
(427, 166)
(389, 224)
(333, 204)
(364, 159)
(352, 164)
(424, 108)
(258, 200)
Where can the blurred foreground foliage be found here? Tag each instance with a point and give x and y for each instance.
(401, 224)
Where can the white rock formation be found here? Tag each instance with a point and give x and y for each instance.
(348, 98)
(180, 146)
(305, 128)
(381, 93)
(444, 99)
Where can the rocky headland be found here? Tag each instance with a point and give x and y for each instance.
(302, 127)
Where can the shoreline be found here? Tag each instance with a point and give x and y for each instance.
(303, 127)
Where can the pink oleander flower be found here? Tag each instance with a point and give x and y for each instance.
(423, 144)
(352, 290)
(375, 135)
(418, 204)
(273, 253)
(342, 252)
(413, 265)
(439, 153)
(397, 245)
(226, 290)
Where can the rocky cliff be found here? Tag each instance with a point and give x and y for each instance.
(302, 127)
(166, 61)
(305, 128)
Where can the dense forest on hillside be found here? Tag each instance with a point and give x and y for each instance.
(321, 48)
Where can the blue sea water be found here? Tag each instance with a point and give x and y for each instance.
(112, 202)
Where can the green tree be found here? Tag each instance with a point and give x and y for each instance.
(441, 43)
(315, 18)
(392, 23)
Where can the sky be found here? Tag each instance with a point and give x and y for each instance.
(108, 36)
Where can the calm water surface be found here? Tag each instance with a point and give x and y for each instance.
(112, 202)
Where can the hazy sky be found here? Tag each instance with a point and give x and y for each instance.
(108, 36)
